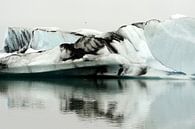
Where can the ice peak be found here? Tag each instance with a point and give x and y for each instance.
(177, 16)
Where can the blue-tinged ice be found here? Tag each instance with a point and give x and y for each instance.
(172, 42)
(20, 39)
(44, 39)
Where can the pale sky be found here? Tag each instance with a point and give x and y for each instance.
(103, 15)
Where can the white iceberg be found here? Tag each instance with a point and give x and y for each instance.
(143, 49)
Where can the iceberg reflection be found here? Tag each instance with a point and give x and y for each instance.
(122, 103)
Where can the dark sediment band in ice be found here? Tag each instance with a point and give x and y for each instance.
(17, 39)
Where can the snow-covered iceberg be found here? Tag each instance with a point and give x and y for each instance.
(136, 50)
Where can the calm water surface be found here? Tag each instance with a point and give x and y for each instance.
(97, 104)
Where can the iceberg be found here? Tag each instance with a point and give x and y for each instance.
(172, 42)
(151, 49)
(90, 55)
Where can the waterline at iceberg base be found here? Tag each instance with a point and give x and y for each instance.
(152, 49)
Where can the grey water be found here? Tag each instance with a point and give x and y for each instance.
(97, 104)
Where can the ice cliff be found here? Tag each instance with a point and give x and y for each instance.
(162, 49)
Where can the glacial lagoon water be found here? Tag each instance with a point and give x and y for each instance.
(97, 104)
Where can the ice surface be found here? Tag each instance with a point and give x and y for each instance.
(21, 39)
(17, 38)
(172, 42)
(135, 36)
(44, 39)
(177, 16)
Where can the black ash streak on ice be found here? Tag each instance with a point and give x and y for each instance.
(19, 40)
(90, 45)
(3, 66)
